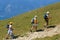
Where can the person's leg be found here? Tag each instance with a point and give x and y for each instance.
(31, 29)
(47, 21)
(11, 34)
(7, 34)
(36, 27)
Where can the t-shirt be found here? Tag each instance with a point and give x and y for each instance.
(10, 27)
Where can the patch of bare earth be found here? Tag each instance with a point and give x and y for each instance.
(41, 34)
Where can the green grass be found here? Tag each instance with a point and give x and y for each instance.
(56, 37)
(22, 23)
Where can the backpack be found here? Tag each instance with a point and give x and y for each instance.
(45, 16)
(7, 26)
(32, 21)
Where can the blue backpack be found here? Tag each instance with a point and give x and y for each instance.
(45, 16)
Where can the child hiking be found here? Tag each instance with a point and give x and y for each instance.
(10, 30)
(34, 23)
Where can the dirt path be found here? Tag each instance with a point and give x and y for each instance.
(49, 32)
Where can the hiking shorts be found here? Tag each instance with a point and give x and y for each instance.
(10, 32)
(46, 19)
(35, 24)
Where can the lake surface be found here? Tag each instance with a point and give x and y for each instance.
(10, 8)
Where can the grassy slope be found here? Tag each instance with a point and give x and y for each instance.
(22, 22)
(56, 37)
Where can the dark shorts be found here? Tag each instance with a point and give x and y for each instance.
(46, 19)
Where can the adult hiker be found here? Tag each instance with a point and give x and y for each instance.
(10, 30)
(47, 17)
(34, 23)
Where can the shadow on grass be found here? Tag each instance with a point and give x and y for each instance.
(52, 26)
(16, 36)
(39, 30)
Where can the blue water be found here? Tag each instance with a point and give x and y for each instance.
(10, 8)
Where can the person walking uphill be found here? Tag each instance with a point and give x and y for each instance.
(10, 30)
(46, 17)
(34, 23)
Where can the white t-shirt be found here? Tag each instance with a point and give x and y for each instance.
(34, 18)
(47, 15)
(10, 26)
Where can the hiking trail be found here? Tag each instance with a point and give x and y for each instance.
(41, 34)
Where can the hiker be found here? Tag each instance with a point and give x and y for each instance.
(46, 17)
(10, 30)
(34, 23)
